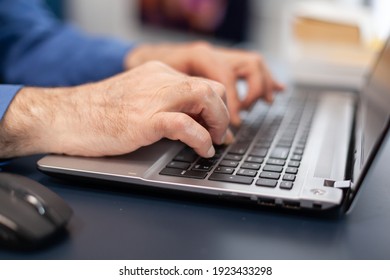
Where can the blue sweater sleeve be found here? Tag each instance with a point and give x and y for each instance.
(7, 93)
(38, 50)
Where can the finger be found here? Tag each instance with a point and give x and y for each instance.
(231, 100)
(268, 86)
(211, 66)
(201, 98)
(254, 81)
(260, 84)
(278, 86)
(211, 108)
(258, 80)
(180, 126)
(229, 137)
(234, 104)
(217, 87)
(271, 87)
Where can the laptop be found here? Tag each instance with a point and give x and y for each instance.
(310, 150)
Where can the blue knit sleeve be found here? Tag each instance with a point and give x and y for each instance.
(7, 93)
(38, 50)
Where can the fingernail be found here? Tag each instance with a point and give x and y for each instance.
(211, 152)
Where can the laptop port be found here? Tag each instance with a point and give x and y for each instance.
(266, 201)
(291, 204)
(317, 206)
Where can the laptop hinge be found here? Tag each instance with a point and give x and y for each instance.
(346, 184)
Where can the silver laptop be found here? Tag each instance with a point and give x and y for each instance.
(310, 151)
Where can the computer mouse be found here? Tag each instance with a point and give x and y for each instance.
(31, 215)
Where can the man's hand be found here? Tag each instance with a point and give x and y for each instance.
(118, 115)
(224, 65)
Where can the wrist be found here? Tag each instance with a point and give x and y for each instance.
(27, 125)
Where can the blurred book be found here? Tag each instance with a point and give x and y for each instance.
(330, 44)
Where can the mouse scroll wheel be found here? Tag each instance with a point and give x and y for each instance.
(36, 203)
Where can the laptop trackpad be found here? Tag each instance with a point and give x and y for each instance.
(134, 164)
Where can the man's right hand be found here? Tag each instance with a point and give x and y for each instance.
(118, 115)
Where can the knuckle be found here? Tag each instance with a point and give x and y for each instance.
(220, 88)
(159, 126)
(205, 92)
(201, 46)
(256, 57)
(185, 124)
(171, 127)
(198, 88)
(156, 64)
(180, 123)
(185, 85)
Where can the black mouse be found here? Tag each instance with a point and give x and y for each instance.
(31, 215)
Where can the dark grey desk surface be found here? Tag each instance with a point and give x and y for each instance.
(129, 225)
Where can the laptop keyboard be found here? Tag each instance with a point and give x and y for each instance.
(267, 151)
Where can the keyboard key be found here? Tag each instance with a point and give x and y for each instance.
(219, 150)
(229, 163)
(247, 172)
(280, 153)
(289, 177)
(273, 168)
(207, 161)
(286, 185)
(186, 155)
(266, 183)
(233, 157)
(279, 162)
(300, 146)
(204, 164)
(298, 152)
(263, 144)
(179, 165)
(292, 170)
(239, 148)
(296, 157)
(255, 159)
(201, 167)
(231, 178)
(225, 170)
(259, 152)
(251, 165)
(285, 143)
(269, 175)
(183, 173)
(294, 163)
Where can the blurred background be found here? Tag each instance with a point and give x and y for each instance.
(258, 21)
(307, 33)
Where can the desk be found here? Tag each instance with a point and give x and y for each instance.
(127, 225)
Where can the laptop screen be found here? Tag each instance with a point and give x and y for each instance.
(374, 111)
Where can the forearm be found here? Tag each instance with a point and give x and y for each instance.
(31, 121)
(56, 120)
